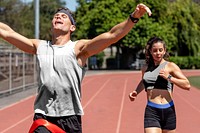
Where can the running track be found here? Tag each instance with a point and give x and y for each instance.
(107, 106)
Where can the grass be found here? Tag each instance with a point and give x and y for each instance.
(195, 81)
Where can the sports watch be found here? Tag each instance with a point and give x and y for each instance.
(134, 20)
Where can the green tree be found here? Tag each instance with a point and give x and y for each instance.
(186, 23)
(96, 17)
(18, 15)
(47, 10)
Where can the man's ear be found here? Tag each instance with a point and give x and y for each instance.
(72, 28)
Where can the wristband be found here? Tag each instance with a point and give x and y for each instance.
(134, 20)
(169, 77)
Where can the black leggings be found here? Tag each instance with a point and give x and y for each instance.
(70, 124)
(164, 118)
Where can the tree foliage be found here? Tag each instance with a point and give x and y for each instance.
(186, 22)
(176, 22)
(96, 17)
(17, 15)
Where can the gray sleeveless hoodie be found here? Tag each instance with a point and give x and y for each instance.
(60, 77)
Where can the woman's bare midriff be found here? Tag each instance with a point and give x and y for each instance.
(159, 96)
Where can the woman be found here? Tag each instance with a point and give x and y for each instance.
(158, 77)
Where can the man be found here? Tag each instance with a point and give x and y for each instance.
(61, 68)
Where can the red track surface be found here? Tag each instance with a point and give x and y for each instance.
(108, 109)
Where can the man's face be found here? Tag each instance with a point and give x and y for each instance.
(61, 21)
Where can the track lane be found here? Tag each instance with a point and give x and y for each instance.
(103, 112)
(16, 114)
(108, 109)
(133, 111)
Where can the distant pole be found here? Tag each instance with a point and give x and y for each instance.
(37, 32)
(37, 18)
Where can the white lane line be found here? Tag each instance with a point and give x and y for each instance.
(85, 82)
(7, 129)
(92, 98)
(19, 122)
(121, 108)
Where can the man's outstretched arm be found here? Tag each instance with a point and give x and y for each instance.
(94, 46)
(21, 42)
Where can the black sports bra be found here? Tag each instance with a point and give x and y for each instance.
(152, 80)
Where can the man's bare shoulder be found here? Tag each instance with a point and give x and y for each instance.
(82, 42)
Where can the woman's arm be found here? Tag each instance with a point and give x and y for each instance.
(133, 94)
(178, 78)
(174, 74)
(139, 88)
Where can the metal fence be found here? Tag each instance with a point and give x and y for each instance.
(17, 72)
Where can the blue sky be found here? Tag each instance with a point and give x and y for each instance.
(71, 4)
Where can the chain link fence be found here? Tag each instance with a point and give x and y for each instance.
(17, 71)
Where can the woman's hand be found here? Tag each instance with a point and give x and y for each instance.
(133, 95)
(164, 73)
